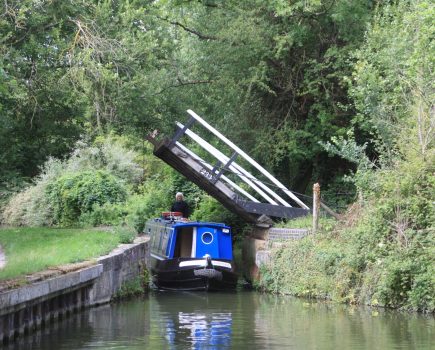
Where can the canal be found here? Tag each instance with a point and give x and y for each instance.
(242, 320)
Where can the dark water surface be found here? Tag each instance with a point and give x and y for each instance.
(242, 320)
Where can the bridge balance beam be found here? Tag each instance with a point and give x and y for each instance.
(196, 172)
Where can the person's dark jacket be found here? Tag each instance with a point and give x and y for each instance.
(182, 207)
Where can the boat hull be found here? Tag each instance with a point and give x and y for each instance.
(168, 275)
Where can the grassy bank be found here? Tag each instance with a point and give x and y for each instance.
(30, 250)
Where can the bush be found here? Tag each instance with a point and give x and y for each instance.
(29, 208)
(107, 154)
(75, 194)
(11, 183)
(146, 206)
(302, 268)
(157, 194)
(126, 234)
(209, 209)
(110, 214)
(34, 207)
(385, 259)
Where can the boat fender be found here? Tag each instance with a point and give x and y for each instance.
(208, 273)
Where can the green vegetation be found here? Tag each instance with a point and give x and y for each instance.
(80, 188)
(77, 69)
(325, 222)
(130, 289)
(382, 253)
(367, 264)
(134, 287)
(72, 195)
(331, 91)
(92, 188)
(30, 249)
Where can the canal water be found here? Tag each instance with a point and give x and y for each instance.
(240, 320)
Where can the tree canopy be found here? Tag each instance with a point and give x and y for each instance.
(278, 77)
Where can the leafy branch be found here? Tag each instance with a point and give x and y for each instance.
(190, 30)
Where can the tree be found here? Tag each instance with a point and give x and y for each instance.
(271, 70)
(74, 68)
(39, 115)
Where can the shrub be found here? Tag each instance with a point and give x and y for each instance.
(384, 259)
(107, 154)
(157, 194)
(209, 209)
(75, 194)
(110, 214)
(11, 183)
(145, 206)
(126, 234)
(134, 212)
(33, 206)
(29, 208)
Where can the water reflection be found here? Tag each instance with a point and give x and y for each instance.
(243, 320)
(199, 322)
(324, 325)
(204, 330)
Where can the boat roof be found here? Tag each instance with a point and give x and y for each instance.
(181, 223)
(200, 224)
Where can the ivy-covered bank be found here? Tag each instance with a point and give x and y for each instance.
(382, 253)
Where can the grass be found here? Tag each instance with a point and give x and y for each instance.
(30, 250)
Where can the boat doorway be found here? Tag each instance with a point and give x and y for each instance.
(185, 244)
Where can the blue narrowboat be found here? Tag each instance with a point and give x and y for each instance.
(190, 255)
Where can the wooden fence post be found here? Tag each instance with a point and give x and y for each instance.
(316, 206)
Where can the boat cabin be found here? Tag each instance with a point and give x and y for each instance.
(190, 255)
(178, 239)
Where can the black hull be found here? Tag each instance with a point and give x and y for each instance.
(168, 275)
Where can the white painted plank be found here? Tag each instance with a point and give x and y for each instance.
(247, 157)
(223, 177)
(250, 177)
(224, 159)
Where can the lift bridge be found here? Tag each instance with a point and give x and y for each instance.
(224, 179)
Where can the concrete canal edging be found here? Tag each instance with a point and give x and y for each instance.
(256, 247)
(25, 309)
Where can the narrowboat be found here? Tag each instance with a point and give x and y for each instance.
(190, 255)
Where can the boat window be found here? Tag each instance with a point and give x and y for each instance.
(161, 234)
(153, 231)
(183, 246)
(153, 238)
(164, 240)
(156, 238)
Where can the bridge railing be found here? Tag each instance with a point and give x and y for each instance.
(228, 163)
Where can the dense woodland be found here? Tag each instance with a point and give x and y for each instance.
(332, 91)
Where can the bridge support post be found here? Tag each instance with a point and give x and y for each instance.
(316, 206)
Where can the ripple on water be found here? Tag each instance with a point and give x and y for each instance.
(243, 320)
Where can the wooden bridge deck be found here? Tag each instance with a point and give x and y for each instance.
(193, 170)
